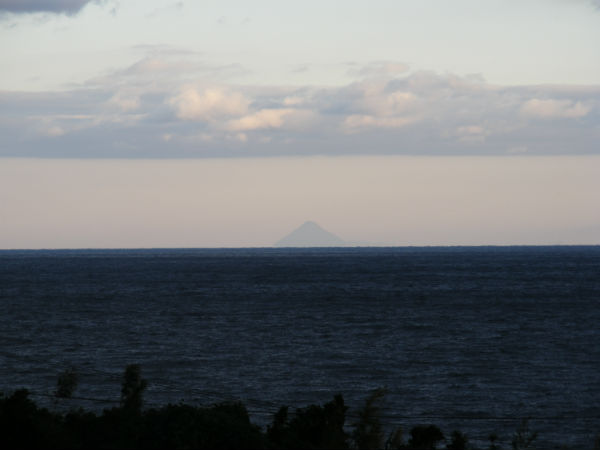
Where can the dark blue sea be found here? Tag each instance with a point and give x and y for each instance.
(469, 338)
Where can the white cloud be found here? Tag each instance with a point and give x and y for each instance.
(471, 133)
(376, 103)
(208, 104)
(125, 101)
(263, 119)
(554, 109)
(293, 101)
(161, 106)
(382, 103)
(275, 118)
(150, 65)
(358, 122)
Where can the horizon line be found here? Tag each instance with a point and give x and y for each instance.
(273, 247)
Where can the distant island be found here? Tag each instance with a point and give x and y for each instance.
(310, 234)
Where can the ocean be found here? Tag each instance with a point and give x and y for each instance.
(468, 338)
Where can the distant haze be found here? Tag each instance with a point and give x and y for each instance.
(256, 201)
(310, 234)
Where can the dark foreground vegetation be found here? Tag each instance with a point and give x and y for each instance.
(23, 424)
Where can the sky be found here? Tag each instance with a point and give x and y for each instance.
(163, 123)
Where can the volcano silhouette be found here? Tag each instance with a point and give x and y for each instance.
(309, 234)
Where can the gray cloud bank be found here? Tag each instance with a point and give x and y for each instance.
(167, 107)
(52, 6)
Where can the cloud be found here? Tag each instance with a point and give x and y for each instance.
(293, 101)
(209, 104)
(166, 67)
(359, 122)
(371, 104)
(169, 105)
(52, 6)
(274, 118)
(593, 3)
(263, 119)
(383, 100)
(228, 110)
(53, 131)
(554, 109)
(392, 103)
(471, 134)
(379, 69)
(302, 68)
(125, 101)
(173, 7)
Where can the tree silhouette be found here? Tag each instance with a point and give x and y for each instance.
(132, 388)
(312, 427)
(368, 432)
(425, 437)
(66, 383)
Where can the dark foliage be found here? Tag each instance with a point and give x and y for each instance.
(493, 438)
(395, 441)
(523, 437)
(132, 388)
(313, 427)
(368, 431)
(221, 426)
(425, 437)
(66, 383)
(458, 442)
(24, 425)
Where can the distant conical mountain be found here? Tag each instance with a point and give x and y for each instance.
(309, 234)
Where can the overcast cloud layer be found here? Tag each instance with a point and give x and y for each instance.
(169, 106)
(53, 6)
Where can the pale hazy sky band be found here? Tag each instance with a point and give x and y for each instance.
(388, 200)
